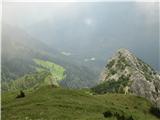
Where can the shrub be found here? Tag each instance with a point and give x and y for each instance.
(155, 111)
(21, 95)
(112, 71)
(117, 115)
(107, 114)
(111, 86)
(110, 64)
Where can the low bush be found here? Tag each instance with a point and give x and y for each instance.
(155, 111)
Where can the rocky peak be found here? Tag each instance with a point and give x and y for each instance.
(124, 52)
(125, 67)
(126, 63)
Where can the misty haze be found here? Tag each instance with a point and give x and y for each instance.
(85, 58)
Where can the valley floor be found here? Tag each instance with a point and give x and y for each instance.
(49, 103)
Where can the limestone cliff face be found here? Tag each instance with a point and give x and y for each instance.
(141, 78)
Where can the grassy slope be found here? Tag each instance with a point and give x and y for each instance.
(46, 72)
(63, 104)
(56, 71)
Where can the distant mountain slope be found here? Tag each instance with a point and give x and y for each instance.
(19, 49)
(49, 103)
(124, 70)
(47, 73)
(57, 72)
(30, 81)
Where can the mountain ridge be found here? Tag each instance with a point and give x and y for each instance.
(124, 69)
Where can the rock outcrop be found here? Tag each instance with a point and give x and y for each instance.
(141, 79)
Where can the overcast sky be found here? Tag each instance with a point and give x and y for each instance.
(76, 0)
(109, 25)
(27, 13)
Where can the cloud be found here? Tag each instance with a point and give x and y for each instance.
(149, 10)
(26, 14)
(93, 59)
(88, 21)
(80, 0)
(66, 53)
(89, 59)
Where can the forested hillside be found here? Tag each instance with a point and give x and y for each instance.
(19, 54)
